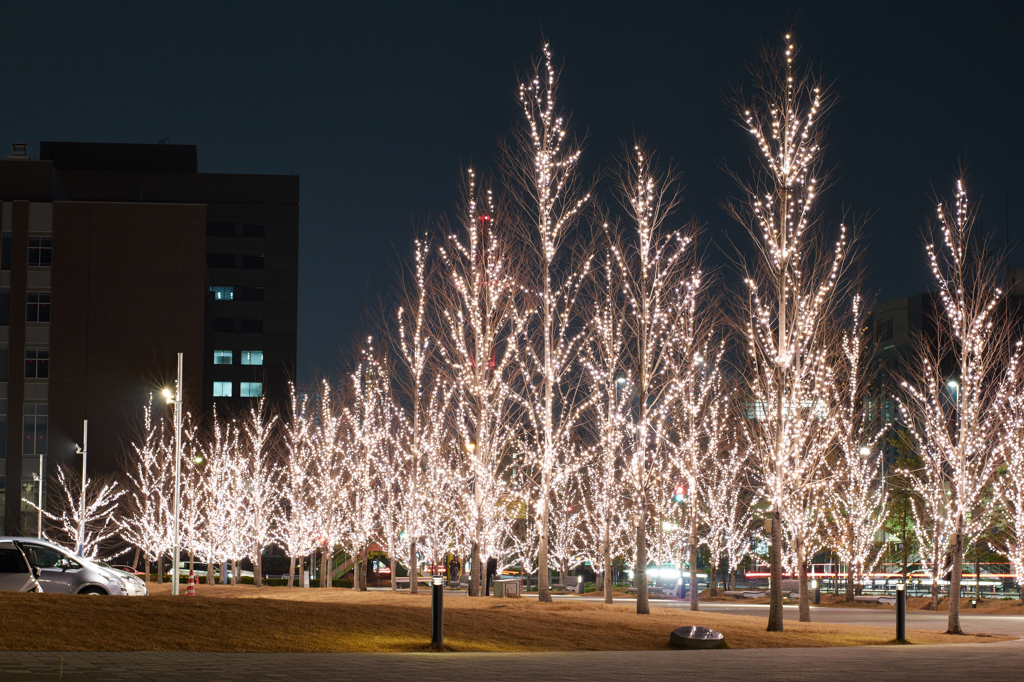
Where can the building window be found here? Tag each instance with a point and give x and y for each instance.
(250, 293)
(222, 389)
(37, 363)
(252, 357)
(220, 260)
(254, 230)
(224, 324)
(223, 357)
(885, 330)
(38, 307)
(252, 326)
(5, 251)
(220, 229)
(40, 252)
(34, 440)
(223, 293)
(251, 389)
(252, 262)
(5, 307)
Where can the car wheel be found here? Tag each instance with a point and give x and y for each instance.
(92, 590)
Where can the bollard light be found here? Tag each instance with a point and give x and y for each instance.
(437, 613)
(974, 603)
(901, 613)
(816, 588)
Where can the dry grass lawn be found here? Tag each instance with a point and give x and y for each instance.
(278, 619)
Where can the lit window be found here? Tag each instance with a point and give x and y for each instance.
(223, 357)
(37, 363)
(40, 251)
(252, 357)
(223, 293)
(34, 438)
(251, 389)
(38, 307)
(222, 389)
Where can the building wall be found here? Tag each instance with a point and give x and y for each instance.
(129, 287)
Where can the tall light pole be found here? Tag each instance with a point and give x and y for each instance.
(39, 507)
(84, 452)
(175, 398)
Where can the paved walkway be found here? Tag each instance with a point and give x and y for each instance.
(1000, 661)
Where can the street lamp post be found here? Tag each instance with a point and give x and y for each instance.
(39, 507)
(176, 552)
(84, 452)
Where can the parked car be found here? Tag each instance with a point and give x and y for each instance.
(60, 571)
(199, 571)
(129, 570)
(16, 574)
(136, 585)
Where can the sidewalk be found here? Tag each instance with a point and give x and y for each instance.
(1001, 661)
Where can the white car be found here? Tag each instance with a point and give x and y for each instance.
(59, 570)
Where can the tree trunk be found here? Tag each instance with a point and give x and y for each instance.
(291, 571)
(805, 597)
(160, 569)
(713, 579)
(694, 581)
(849, 585)
(543, 578)
(327, 566)
(607, 565)
(236, 570)
(149, 578)
(414, 573)
(474, 576)
(775, 589)
(135, 560)
(642, 603)
(953, 627)
(365, 573)
(394, 570)
(257, 573)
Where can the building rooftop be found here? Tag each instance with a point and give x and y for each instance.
(108, 156)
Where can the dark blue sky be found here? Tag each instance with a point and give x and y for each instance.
(378, 105)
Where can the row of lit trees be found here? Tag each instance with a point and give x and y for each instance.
(560, 383)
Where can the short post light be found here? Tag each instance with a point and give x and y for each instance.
(816, 586)
(437, 613)
(901, 613)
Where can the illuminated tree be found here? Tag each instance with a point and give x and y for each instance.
(793, 294)
(602, 359)
(857, 493)
(665, 338)
(99, 525)
(298, 518)
(1011, 483)
(549, 200)
(149, 479)
(261, 476)
(954, 420)
(477, 305)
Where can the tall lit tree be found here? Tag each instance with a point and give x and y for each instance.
(477, 305)
(793, 292)
(954, 419)
(856, 493)
(549, 200)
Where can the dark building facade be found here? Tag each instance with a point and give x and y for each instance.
(113, 259)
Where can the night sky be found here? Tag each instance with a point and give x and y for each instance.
(379, 105)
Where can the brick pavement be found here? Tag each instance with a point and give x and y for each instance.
(1000, 661)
